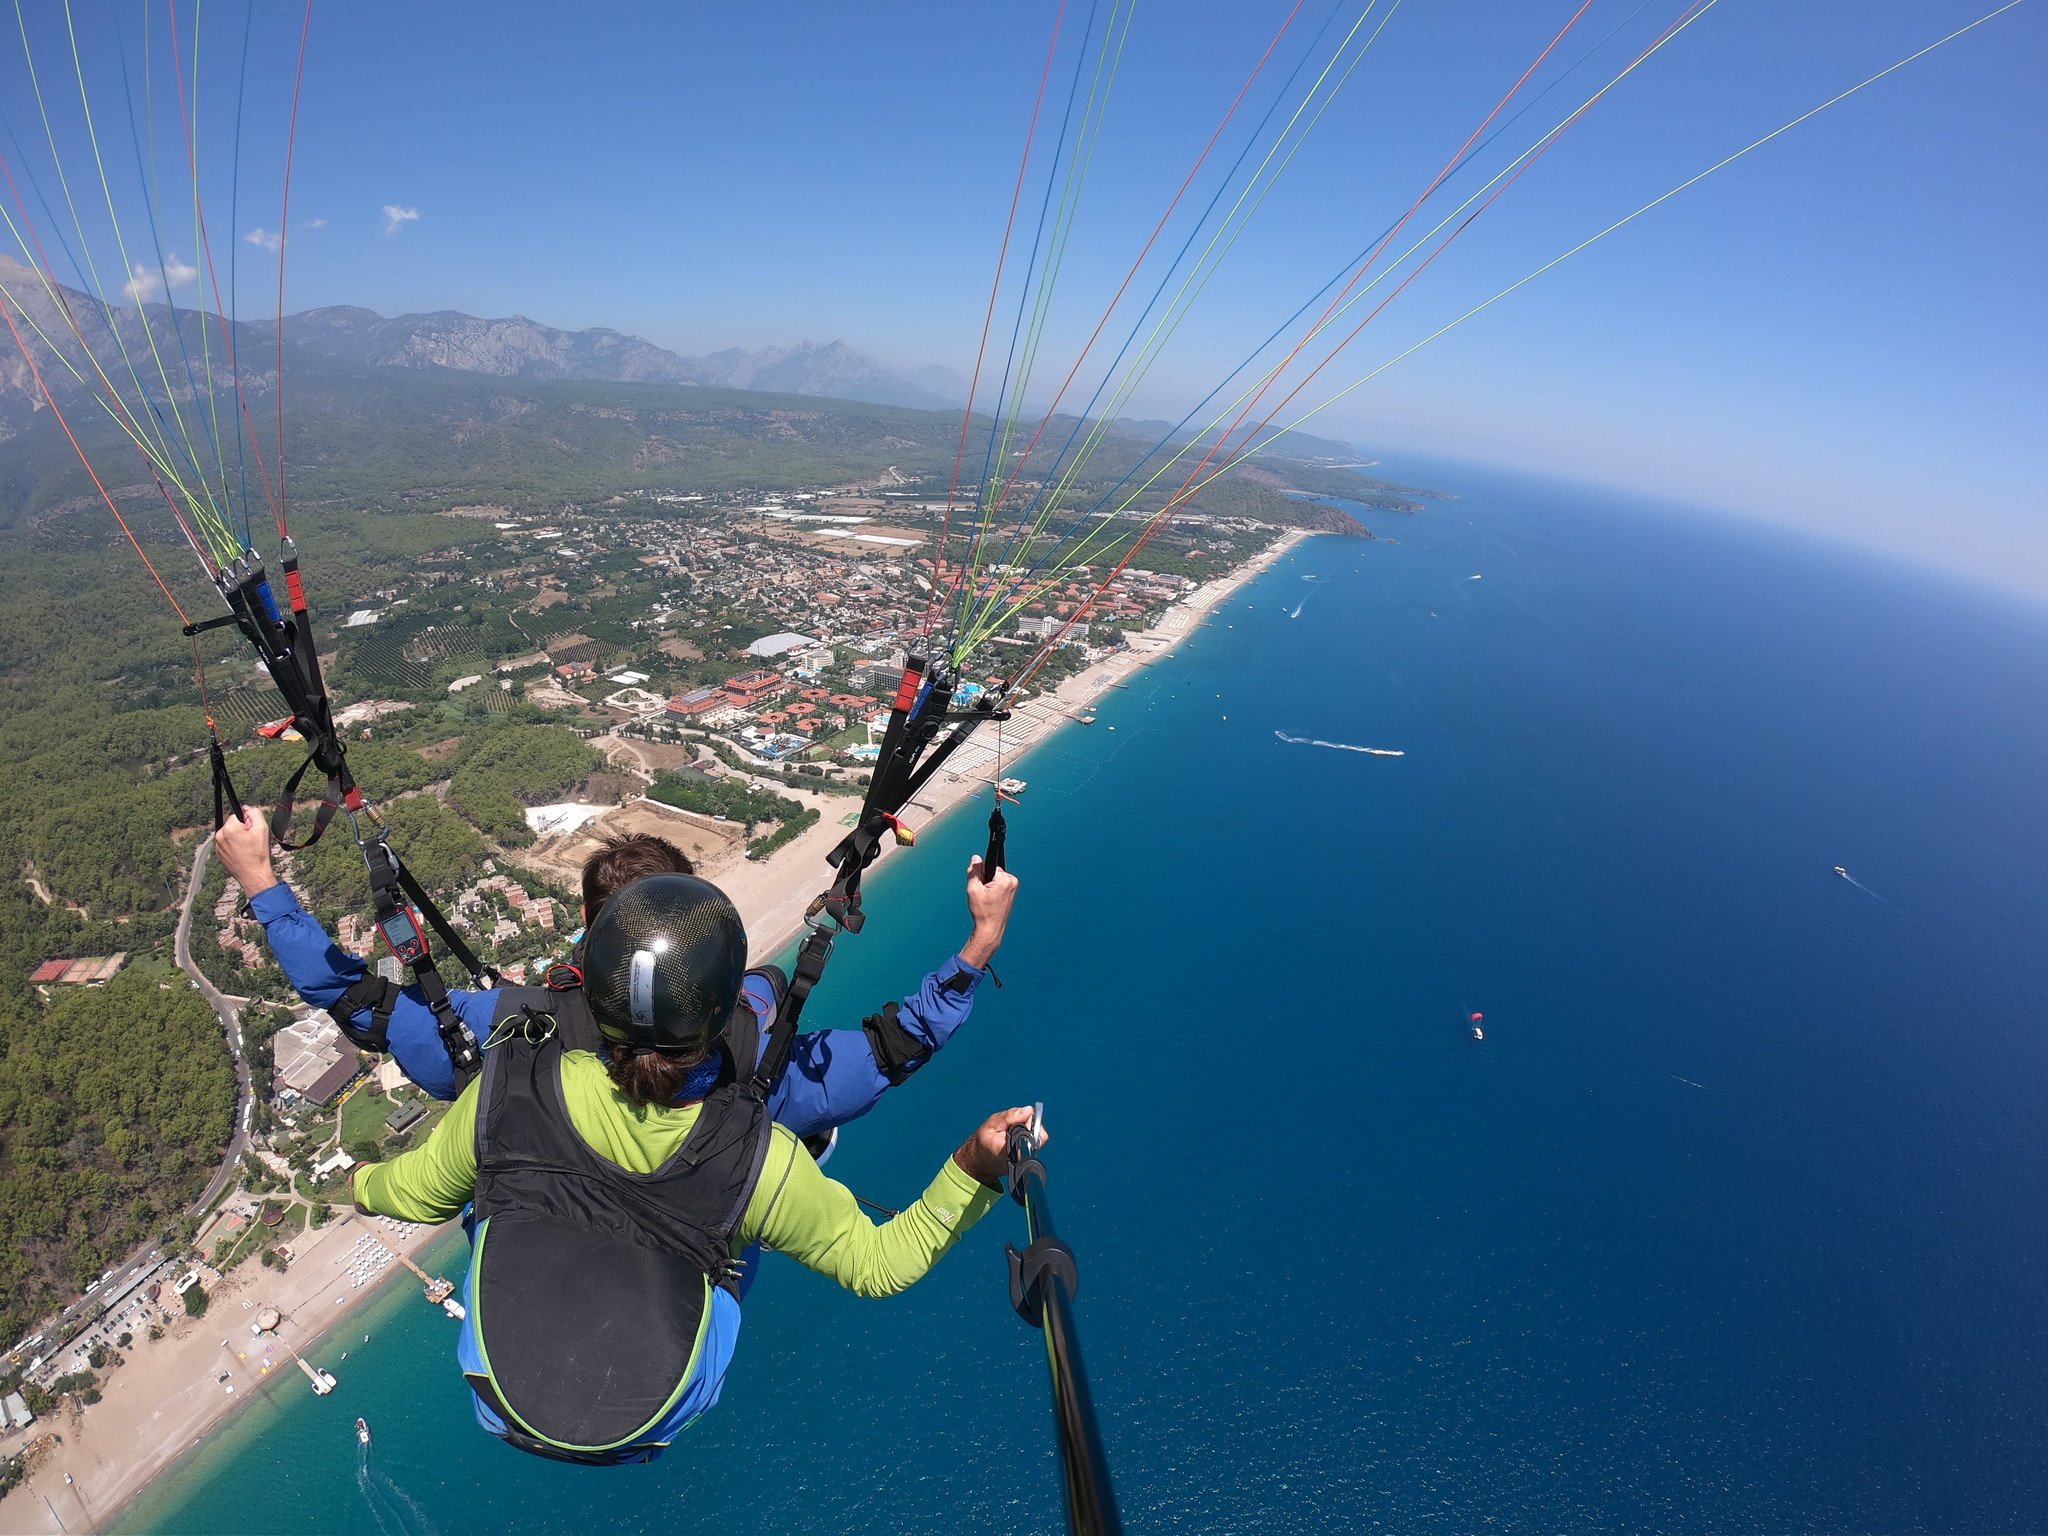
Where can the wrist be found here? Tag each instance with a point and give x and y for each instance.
(967, 1157)
(981, 946)
(256, 885)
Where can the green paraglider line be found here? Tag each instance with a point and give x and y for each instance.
(1039, 657)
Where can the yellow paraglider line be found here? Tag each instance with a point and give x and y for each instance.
(1045, 650)
(991, 617)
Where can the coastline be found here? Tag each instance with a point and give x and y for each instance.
(166, 1401)
(772, 895)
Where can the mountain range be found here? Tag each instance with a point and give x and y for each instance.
(429, 410)
(516, 347)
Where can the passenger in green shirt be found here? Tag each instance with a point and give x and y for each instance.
(613, 1195)
(795, 1209)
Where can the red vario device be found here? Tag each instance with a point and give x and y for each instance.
(403, 934)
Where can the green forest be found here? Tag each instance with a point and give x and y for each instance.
(118, 1102)
(114, 1100)
(727, 797)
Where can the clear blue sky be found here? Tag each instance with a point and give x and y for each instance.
(1844, 331)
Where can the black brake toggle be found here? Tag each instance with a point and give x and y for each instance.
(1028, 1269)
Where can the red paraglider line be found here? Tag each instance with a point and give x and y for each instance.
(283, 229)
(1195, 475)
(227, 338)
(988, 320)
(1129, 277)
(7, 314)
(1371, 256)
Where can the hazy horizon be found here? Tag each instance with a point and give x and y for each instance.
(1839, 333)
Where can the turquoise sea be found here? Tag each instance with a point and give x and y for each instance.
(1737, 1219)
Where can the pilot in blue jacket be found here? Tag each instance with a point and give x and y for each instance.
(833, 1074)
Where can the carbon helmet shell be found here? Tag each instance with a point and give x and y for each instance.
(663, 961)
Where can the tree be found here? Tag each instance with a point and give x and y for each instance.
(322, 1212)
(196, 1301)
(363, 1149)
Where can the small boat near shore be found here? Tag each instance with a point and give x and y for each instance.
(1011, 786)
(1841, 871)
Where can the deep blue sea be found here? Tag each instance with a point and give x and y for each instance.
(1737, 1219)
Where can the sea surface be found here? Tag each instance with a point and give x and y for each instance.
(1736, 1220)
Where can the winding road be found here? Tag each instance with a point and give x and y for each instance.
(230, 1024)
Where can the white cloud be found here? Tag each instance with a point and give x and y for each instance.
(146, 283)
(396, 218)
(271, 239)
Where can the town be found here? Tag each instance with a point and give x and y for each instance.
(729, 659)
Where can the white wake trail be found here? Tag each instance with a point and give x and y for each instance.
(1339, 746)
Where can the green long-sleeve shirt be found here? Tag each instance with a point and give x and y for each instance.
(795, 1208)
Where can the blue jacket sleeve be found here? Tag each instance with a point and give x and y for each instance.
(832, 1076)
(321, 970)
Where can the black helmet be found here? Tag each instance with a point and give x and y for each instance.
(663, 961)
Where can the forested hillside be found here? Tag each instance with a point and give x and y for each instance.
(104, 783)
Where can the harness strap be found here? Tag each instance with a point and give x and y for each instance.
(380, 995)
(225, 799)
(810, 965)
(485, 976)
(386, 880)
(340, 791)
(898, 1052)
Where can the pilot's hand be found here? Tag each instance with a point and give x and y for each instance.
(243, 843)
(985, 1155)
(989, 903)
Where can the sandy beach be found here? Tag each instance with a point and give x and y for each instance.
(169, 1394)
(89, 1463)
(773, 894)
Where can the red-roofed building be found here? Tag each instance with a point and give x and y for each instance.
(750, 688)
(689, 705)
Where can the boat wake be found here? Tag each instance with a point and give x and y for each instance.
(396, 1512)
(1866, 890)
(1340, 746)
(1297, 609)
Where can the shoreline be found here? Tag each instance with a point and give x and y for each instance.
(772, 895)
(121, 1447)
(167, 1400)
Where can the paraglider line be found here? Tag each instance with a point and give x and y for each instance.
(988, 319)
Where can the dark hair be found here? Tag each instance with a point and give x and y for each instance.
(622, 860)
(653, 1077)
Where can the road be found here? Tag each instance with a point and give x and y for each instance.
(142, 1258)
(230, 1024)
